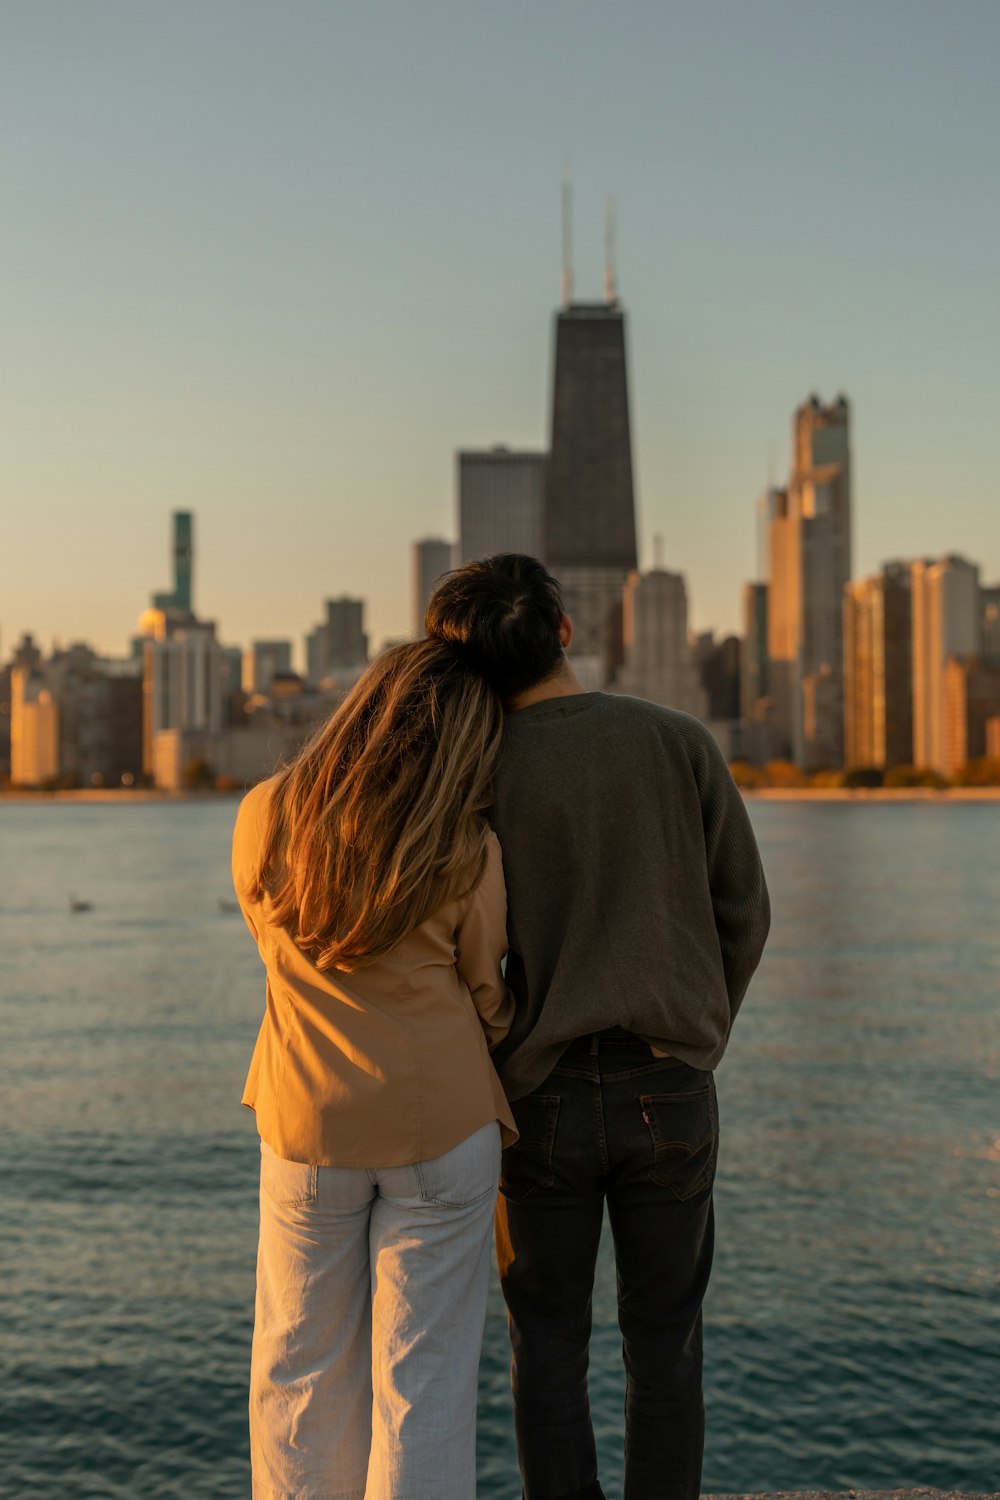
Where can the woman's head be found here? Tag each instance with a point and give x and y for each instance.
(380, 818)
(505, 615)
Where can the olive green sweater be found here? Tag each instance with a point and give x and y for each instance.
(635, 891)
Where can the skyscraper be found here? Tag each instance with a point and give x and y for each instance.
(178, 601)
(26, 654)
(989, 622)
(819, 494)
(810, 546)
(754, 676)
(878, 674)
(782, 612)
(263, 661)
(499, 502)
(971, 697)
(946, 622)
(659, 663)
(589, 511)
(34, 747)
(340, 644)
(718, 664)
(430, 559)
(759, 740)
(183, 682)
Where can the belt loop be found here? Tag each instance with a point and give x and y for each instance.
(593, 1044)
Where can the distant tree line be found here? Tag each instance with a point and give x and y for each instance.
(782, 773)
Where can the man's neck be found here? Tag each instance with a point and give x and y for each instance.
(562, 684)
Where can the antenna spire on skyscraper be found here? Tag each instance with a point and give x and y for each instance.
(610, 281)
(567, 237)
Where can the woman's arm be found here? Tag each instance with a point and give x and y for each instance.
(480, 944)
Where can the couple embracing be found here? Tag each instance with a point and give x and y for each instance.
(467, 801)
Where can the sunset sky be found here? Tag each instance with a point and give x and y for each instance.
(275, 262)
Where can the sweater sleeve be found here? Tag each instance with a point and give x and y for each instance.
(480, 944)
(735, 875)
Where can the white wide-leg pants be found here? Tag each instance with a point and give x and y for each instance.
(371, 1300)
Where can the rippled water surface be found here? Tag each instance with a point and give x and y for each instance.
(852, 1328)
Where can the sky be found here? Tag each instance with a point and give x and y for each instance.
(276, 262)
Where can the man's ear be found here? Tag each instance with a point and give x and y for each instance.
(565, 632)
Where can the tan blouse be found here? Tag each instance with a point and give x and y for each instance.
(388, 1065)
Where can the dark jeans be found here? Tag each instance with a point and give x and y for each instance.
(610, 1122)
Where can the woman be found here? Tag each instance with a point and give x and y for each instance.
(374, 888)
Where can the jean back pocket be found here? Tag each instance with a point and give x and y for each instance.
(683, 1130)
(466, 1174)
(287, 1183)
(527, 1164)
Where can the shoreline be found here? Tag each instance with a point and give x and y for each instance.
(871, 794)
(144, 795)
(124, 797)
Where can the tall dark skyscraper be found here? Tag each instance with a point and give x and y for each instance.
(589, 512)
(588, 528)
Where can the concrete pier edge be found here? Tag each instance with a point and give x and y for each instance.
(858, 1495)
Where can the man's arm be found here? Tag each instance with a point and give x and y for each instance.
(735, 875)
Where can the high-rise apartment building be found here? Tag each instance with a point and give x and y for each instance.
(99, 703)
(659, 663)
(719, 664)
(339, 645)
(26, 654)
(189, 681)
(178, 600)
(754, 663)
(77, 717)
(589, 534)
(264, 661)
(430, 559)
(34, 728)
(821, 708)
(971, 701)
(782, 619)
(946, 622)
(878, 672)
(759, 738)
(500, 494)
(184, 682)
(989, 622)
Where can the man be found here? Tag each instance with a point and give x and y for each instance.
(637, 913)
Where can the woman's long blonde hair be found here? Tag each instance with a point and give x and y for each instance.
(381, 817)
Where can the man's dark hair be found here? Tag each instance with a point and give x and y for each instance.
(503, 615)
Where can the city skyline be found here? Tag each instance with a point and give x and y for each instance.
(210, 305)
(891, 677)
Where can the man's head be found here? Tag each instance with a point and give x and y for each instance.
(506, 616)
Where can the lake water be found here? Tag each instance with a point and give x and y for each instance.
(852, 1321)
